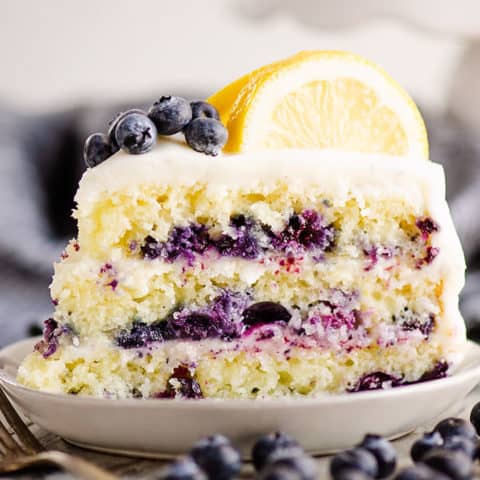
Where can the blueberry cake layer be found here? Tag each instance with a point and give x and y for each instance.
(267, 274)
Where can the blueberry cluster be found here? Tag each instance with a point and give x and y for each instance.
(306, 230)
(185, 385)
(276, 456)
(227, 317)
(447, 452)
(280, 456)
(212, 458)
(135, 131)
(374, 457)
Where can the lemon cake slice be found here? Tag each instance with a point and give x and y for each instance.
(265, 272)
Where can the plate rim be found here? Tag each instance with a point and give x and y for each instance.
(471, 370)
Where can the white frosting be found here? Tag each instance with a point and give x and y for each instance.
(172, 162)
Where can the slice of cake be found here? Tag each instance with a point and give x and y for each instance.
(262, 272)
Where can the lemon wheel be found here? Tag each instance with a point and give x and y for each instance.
(321, 99)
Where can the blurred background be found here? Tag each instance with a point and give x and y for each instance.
(68, 67)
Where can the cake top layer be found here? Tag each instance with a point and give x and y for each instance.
(172, 162)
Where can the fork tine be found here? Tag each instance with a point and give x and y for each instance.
(8, 442)
(24, 435)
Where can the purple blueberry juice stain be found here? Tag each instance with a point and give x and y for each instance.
(183, 242)
(375, 381)
(427, 226)
(186, 386)
(440, 370)
(381, 380)
(375, 253)
(107, 267)
(432, 253)
(337, 312)
(425, 328)
(246, 238)
(371, 254)
(52, 331)
(140, 335)
(242, 243)
(220, 319)
(409, 321)
(306, 230)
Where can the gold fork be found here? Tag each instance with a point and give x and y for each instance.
(27, 451)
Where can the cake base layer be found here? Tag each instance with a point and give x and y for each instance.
(203, 369)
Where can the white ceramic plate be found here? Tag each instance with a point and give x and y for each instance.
(167, 427)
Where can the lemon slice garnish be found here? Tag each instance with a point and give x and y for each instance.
(321, 99)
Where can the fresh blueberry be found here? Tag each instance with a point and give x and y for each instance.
(217, 458)
(267, 444)
(206, 135)
(293, 459)
(113, 125)
(456, 426)
(216, 440)
(182, 469)
(204, 110)
(424, 444)
(352, 474)
(454, 464)
(265, 312)
(462, 444)
(419, 472)
(383, 451)
(170, 114)
(357, 459)
(135, 133)
(475, 417)
(280, 472)
(97, 149)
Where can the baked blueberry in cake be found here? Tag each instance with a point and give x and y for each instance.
(315, 254)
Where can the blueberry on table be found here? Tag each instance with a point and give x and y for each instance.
(135, 133)
(113, 125)
(97, 149)
(212, 441)
(352, 474)
(424, 444)
(456, 426)
(475, 417)
(419, 472)
(267, 444)
(356, 459)
(383, 451)
(219, 460)
(454, 464)
(294, 461)
(280, 472)
(206, 135)
(170, 114)
(463, 444)
(182, 469)
(204, 110)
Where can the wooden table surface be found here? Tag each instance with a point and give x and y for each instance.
(135, 468)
